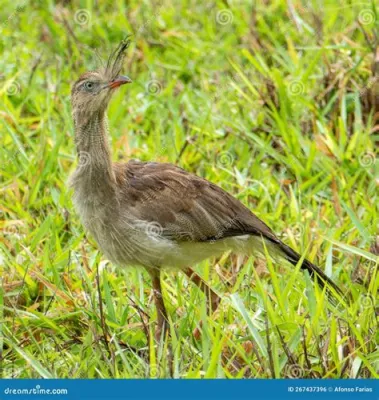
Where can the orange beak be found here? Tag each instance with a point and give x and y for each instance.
(120, 80)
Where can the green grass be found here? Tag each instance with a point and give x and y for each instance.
(273, 105)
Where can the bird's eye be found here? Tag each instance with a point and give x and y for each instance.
(89, 85)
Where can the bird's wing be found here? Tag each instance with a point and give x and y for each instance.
(187, 207)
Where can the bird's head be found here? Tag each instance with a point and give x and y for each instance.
(92, 92)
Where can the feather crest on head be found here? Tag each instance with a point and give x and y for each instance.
(116, 59)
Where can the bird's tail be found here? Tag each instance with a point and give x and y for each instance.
(322, 279)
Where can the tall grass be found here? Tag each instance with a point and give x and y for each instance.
(276, 102)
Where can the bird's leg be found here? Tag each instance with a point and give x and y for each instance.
(162, 323)
(213, 299)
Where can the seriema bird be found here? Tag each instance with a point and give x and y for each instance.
(151, 214)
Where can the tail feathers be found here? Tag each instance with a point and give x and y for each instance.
(322, 279)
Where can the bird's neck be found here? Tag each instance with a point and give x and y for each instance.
(95, 165)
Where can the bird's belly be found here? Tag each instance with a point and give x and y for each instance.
(186, 254)
(136, 244)
(190, 253)
(126, 241)
(130, 243)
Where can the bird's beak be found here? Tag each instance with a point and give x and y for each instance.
(120, 80)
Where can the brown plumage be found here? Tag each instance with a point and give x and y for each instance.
(156, 214)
